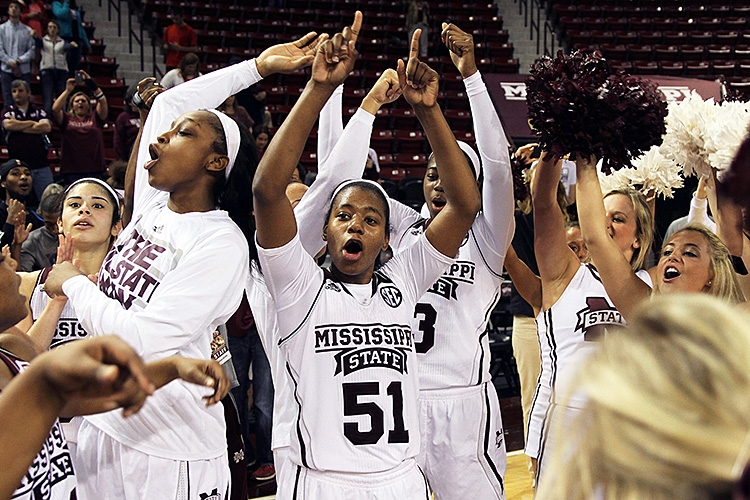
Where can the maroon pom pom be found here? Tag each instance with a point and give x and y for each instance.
(520, 188)
(578, 104)
(735, 183)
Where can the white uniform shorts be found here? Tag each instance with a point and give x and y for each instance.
(463, 445)
(537, 419)
(404, 482)
(285, 473)
(109, 469)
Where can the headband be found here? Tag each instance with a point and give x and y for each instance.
(474, 163)
(99, 182)
(232, 136)
(344, 184)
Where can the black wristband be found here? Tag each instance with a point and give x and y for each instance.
(138, 102)
(91, 84)
(739, 265)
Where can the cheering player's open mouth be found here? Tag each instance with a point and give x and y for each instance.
(438, 203)
(154, 156)
(353, 250)
(670, 274)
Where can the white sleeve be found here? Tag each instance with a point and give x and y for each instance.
(204, 92)
(201, 292)
(293, 279)
(346, 161)
(402, 218)
(699, 213)
(330, 124)
(495, 224)
(419, 266)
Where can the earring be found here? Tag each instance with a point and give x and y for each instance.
(710, 282)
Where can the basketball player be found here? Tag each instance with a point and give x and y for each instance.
(345, 333)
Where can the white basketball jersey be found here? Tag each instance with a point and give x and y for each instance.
(350, 356)
(50, 475)
(264, 314)
(450, 320)
(68, 328)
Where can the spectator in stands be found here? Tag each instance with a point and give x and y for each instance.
(81, 126)
(116, 171)
(178, 38)
(25, 125)
(71, 29)
(34, 15)
(231, 108)
(40, 248)
(15, 188)
(254, 101)
(54, 64)
(187, 70)
(418, 17)
(372, 166)
(16, 50)
(127, 125)
(262, 136)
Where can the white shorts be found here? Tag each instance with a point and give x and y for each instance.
(463, 446)
(285, 473)
(109, 469)
(537, 419)
(404, 482)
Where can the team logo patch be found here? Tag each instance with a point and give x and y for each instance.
(214, 495)
(594, 319)
(360, 346)
(330, 285)
(391, 295)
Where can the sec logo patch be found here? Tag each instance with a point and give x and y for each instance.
(391, 295)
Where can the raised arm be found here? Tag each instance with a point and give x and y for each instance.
(528, 284)
(346, 160)
(625, 289)
(209, 91)
(420, 86)
(275, 221)
(557, 262)
(497, 187)
(330, 126)
(58, 107)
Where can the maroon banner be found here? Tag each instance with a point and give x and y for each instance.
(508, 92)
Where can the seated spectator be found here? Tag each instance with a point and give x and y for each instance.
(25, 125)
(127, 125)
(15, 189)
(262, 136)
(254, 101)
(231, 108)
(372, 166)
(116, 171)
(187, 70)
(71, 29)
(54, 65)
(40, 248)
(81, 126)
(16, 50)
(179, 38)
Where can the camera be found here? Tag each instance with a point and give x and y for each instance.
(79, 77)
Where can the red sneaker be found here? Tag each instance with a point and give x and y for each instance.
(265, 472)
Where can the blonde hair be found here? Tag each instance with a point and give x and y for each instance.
(70, 110)
(667, 415)
(644, 225)
(725, 283)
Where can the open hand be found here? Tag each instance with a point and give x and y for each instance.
(461, 46)
(336, 56)
(288, 57)
(419, 82)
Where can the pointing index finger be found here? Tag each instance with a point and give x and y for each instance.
(356, 26)
(414, 49)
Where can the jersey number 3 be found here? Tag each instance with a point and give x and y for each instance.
(426, 326)
(352, 407)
